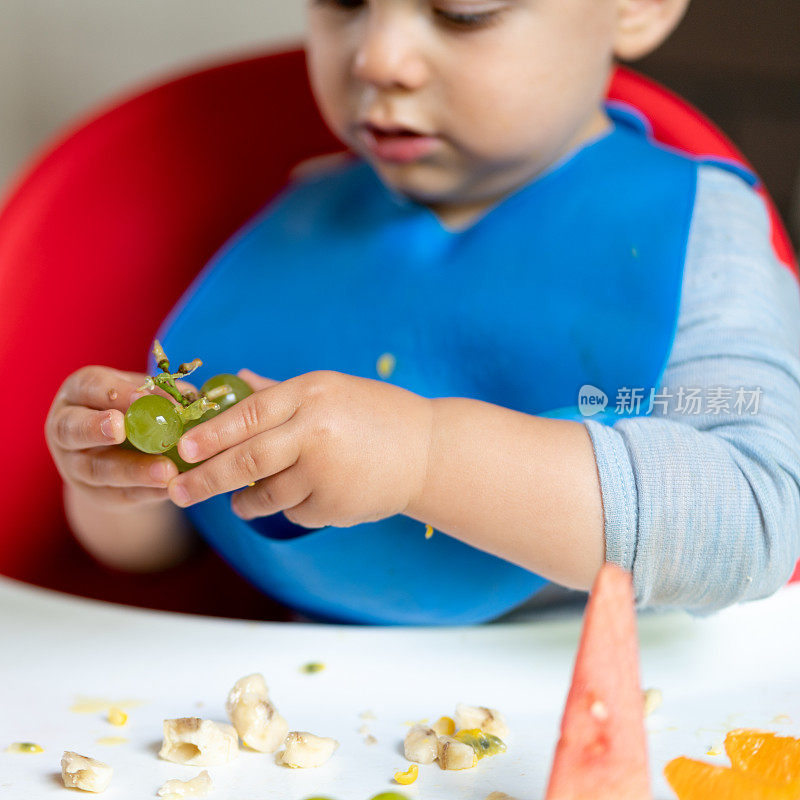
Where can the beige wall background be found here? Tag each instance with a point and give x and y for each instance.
(60, 58)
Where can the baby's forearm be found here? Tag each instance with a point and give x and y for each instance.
(522, 487)
(147, 538)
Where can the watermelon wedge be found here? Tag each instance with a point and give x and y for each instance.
(602, 752)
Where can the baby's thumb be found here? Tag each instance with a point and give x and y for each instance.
(254, 380)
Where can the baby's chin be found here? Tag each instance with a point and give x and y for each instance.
(424, 182)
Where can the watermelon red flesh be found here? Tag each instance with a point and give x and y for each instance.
(602, 752)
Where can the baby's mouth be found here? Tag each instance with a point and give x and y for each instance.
(395, 143)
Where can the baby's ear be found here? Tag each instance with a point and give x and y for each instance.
(642, 25)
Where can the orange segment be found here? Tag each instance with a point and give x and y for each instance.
(696, 780)
(765, 755)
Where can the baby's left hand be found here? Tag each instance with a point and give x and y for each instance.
(325, 448)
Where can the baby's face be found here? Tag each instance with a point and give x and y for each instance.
(496, 90)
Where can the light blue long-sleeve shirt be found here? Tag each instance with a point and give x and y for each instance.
(704, 508)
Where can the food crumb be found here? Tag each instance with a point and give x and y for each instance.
(714, 750)
(428, 532)
(652, 699)
(312, 667)
(385, 365)
(408, 777)
(370, 739)
(366, 715)
(116, 716)
(24, 747)
(199, 786)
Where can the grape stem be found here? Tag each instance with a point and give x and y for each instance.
(190, 406)
(196, 409)
(166, 380)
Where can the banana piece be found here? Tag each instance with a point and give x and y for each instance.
(198, 786)
(256, 720)
(444, 726)
(305, 750)
(82, 772)
(489, 720)
(251, 684)
(259, 724)
(199, 742)
(453, 754)
(421, 744)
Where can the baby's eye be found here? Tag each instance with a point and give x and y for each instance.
(466, 20)
(344, 5)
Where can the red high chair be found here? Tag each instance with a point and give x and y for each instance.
(102, 234)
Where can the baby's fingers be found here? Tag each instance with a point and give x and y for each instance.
(76, 428)
(101, 388)
(112, 467)
(118, 497)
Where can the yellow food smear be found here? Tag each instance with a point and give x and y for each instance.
(96, 705)
(428, 531)
(385, 365)
(407, 777)
(714, 750)
(24, 747)
(111, 741)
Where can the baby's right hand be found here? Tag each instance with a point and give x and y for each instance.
(85, 423)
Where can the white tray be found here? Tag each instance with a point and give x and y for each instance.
(737, 668)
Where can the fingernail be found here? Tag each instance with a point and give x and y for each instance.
(158, 472)
(189, 449)
(181, 495)
(107, 427)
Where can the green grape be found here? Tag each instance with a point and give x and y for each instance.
(389, 796)
(239, 390)
(152, 424)
(172, 454)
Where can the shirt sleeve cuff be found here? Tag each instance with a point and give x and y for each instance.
(618, 490)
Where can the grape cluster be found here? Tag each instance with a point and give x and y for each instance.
(154, 423)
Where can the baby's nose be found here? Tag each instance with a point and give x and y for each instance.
(389, 55)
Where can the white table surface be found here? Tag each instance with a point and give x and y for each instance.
(738, 668)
